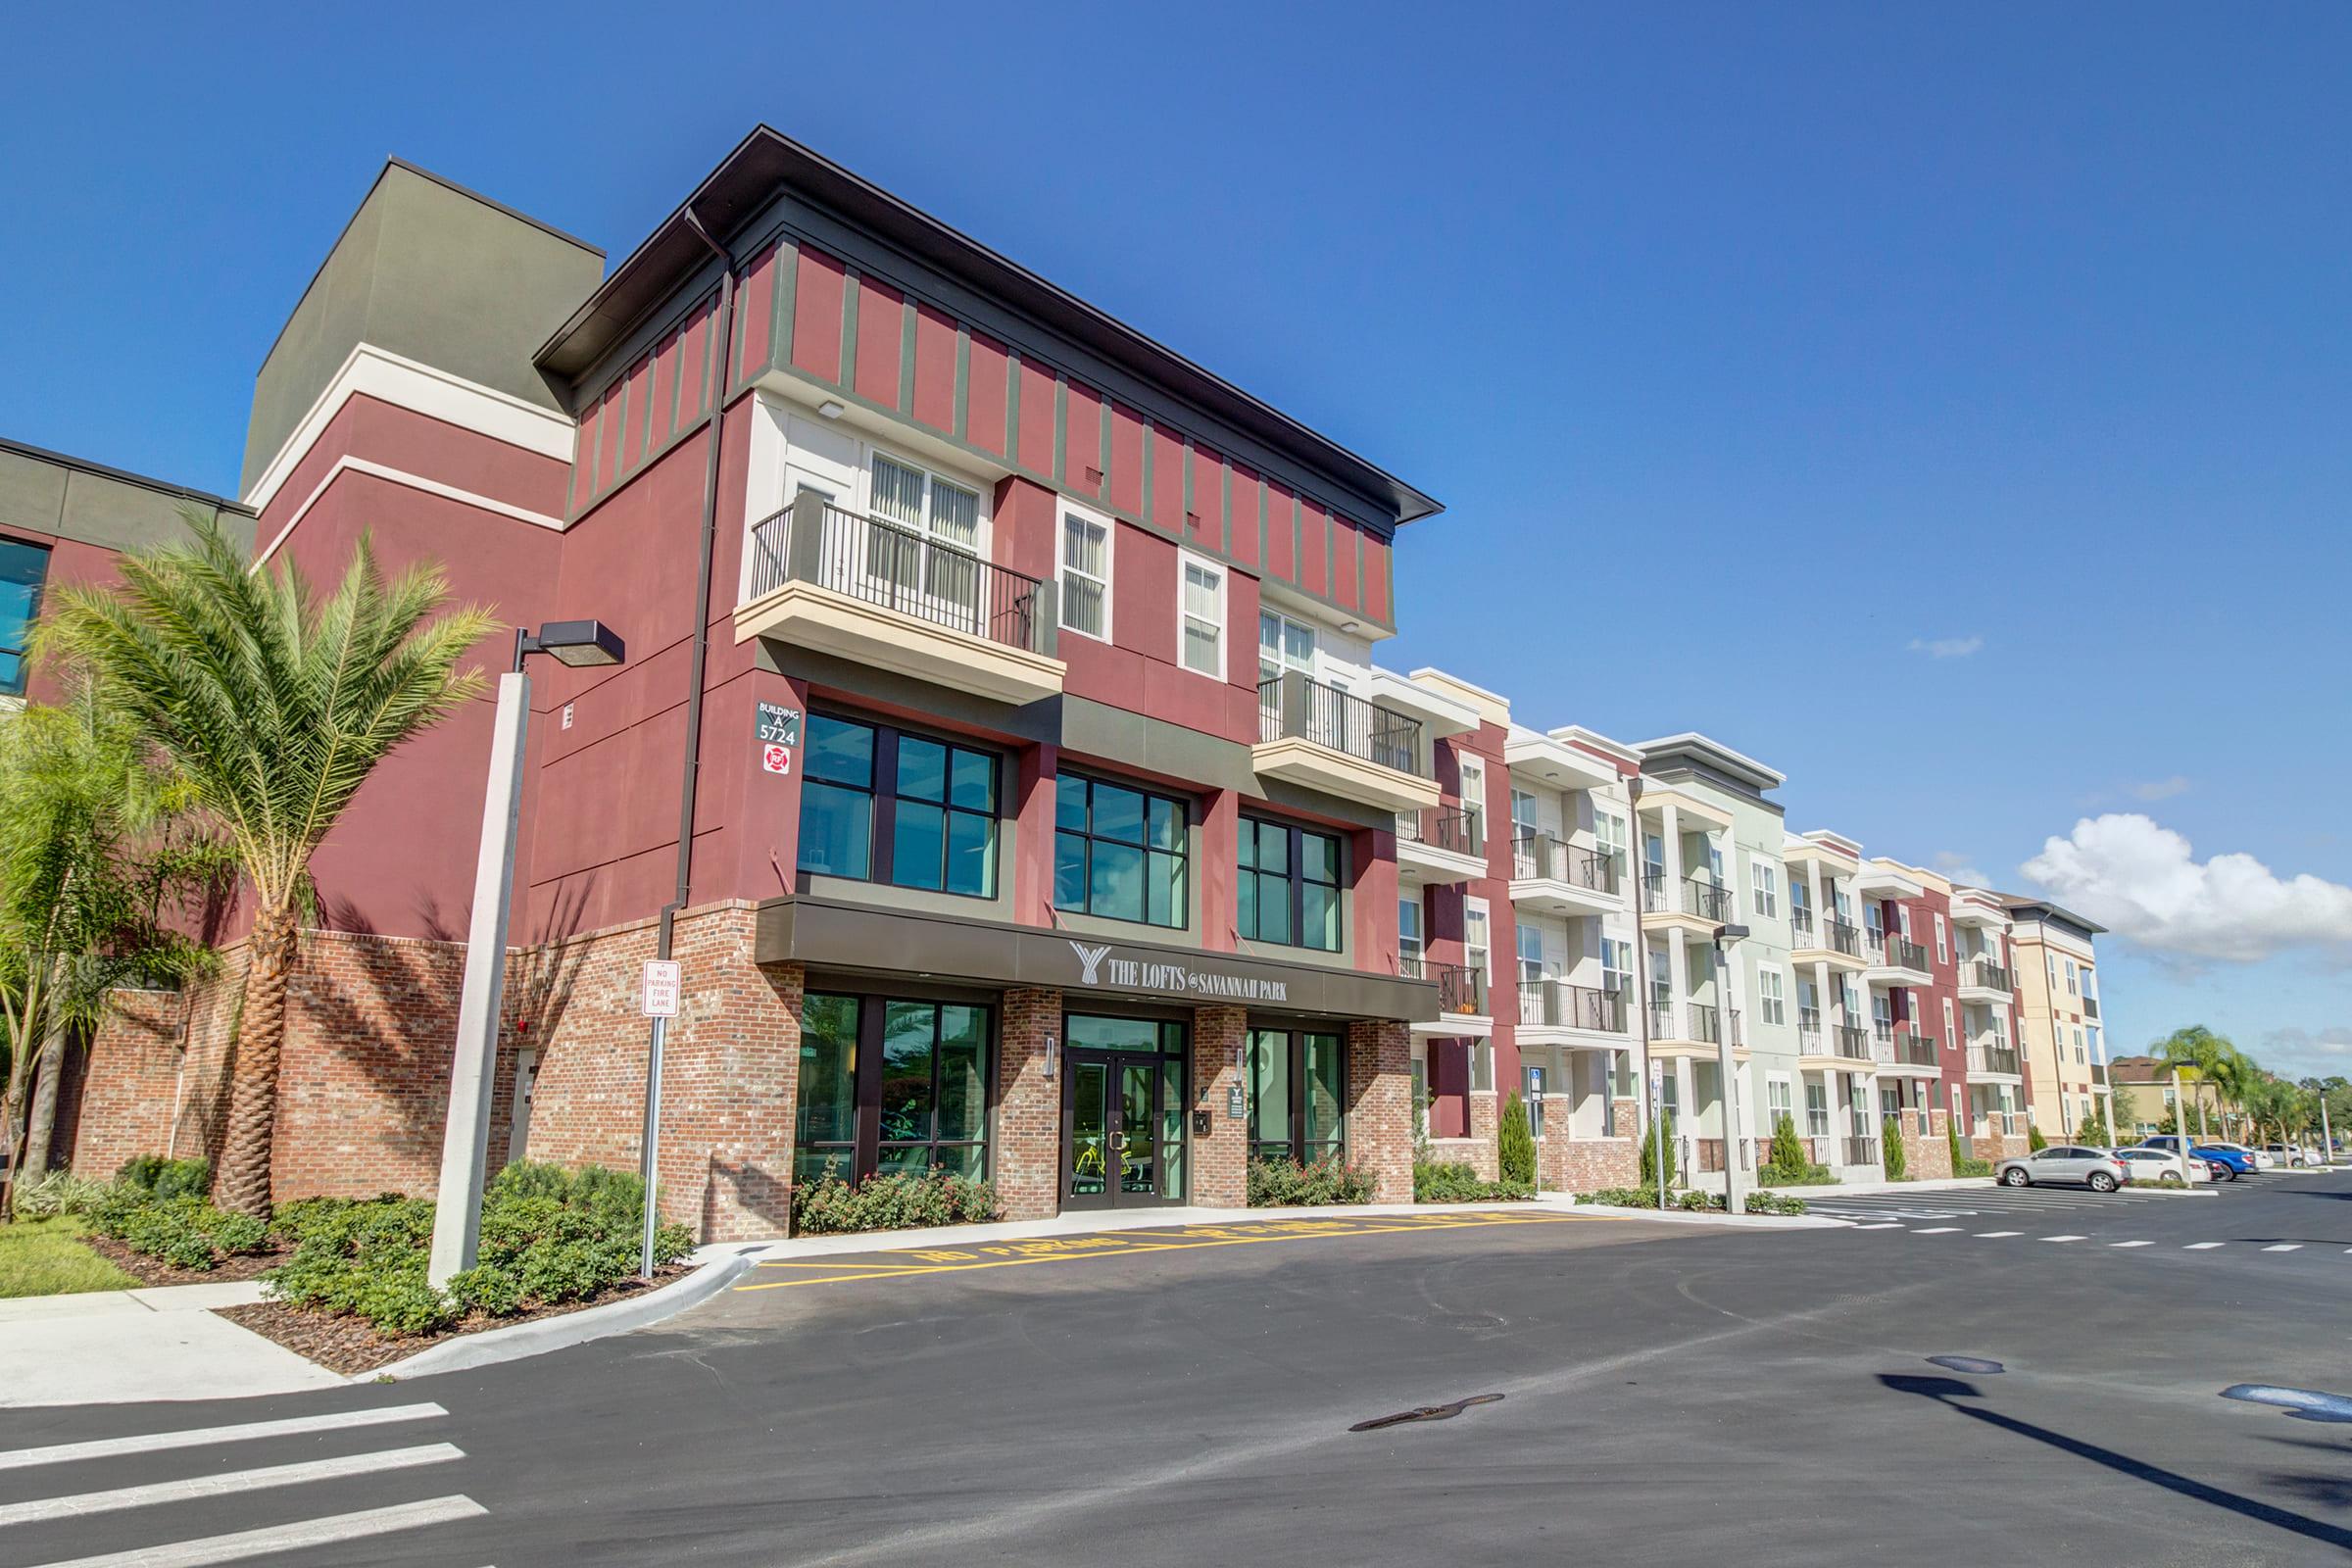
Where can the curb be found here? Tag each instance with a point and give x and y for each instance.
(537, 1337)
(1684, 1216)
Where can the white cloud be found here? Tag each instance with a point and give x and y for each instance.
(2305, 1054)
(1947, 646)
(1960, 868)
(2162, 789)
(2141, 881)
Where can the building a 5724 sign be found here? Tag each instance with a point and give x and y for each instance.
(1099, 966)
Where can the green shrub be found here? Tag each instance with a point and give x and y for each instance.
(831, 1205)
(1693, 1202)
(1286, 1184)
(1515, 1143)
(60, 1193)
(549, 1236)
(2035, 1142)
(1972, 1167)
(1457, 1182)
(1649, 1150)
(155, 1176)
(1774, 1204)
(1621, 1196)
(1891, 1142)
(185, 1232)
(1788, 1150)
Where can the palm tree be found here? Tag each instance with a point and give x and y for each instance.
(274, 707)
(93, 858)
(2203, 1057)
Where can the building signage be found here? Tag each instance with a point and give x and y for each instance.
(777, 732)
(1100, 966)
(1234, 1106)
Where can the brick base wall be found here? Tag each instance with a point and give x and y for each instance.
(1587, 1165)
(1927, 1155)
(1221, 1160)
(1380, 1108)
(1026, 1163)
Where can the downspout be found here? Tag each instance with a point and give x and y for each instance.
(690, 764)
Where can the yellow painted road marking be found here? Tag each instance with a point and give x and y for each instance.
(1189, 1238)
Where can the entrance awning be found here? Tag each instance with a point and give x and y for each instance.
(932, 946)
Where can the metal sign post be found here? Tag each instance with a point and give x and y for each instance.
(659, 1003)
(1657, 1127)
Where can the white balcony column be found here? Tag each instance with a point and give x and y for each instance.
(1678, 974)
(1820, 912)
(1833, 1005)
(1671, 831)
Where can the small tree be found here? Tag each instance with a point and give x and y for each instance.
(1649, 1150)
(1951, 1139)
(1890, 1139)
(2034, 1139)
(1515, 1144)
(2094, 1129)
(1789, 1154)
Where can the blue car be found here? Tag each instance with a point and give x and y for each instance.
(2227, 1164)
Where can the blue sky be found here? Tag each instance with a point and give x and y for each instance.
(1945, 404)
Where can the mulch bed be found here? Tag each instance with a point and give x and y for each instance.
(349, 1344)
(155, 1271)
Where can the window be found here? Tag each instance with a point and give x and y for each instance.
(1764, 886)
(1477, 954)
(1771, 1001)
(1410, 939)
(1817, 1109)
(1085, 573)
(2079, 1058)
(1952, 1035)
(1942, 950)
(1201, 633)
(1670, 1091)
(2090, 987)
(881, 806)
(1290, 886)
(1903, 920)
(1284, 644)
(1609, 832)
(1808, 1005)
(2098, 1052)
(934, 509)
(1801, 902)
(1482, 1066)
(890, 1085)
(1474, 794)
(1850, 1002)
(1120, 852)
(1527, 816)
(23, 569)
(1531, 952)
(2052, 960)
(2071, 974)
(1616, 966)
(1777, 1104)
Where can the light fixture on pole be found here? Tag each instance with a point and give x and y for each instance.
(465, 1142)
(1734, 1200)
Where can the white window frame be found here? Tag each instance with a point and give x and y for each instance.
(2072, 988)
(1764, 886)
(1282, 643)
(1942, 948)
(1951, 1032)
(1474, 785)
(932, 474)
(1476, 910)
(1185, 560)
(1111, 560)
(1783, 1103)
(1772, 994)
(1420, 946)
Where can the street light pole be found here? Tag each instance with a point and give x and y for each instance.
(1653, 1088)
(465, 1140)
(2181, 1125)
(1735, 1197)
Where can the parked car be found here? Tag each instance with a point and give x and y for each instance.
(2262, 1161)
(2163, 1168)
(2285, 1154)
(2071, 1165)
(2227, 1161)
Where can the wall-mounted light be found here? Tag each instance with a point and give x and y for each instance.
(1053, 1052)
(832, 409)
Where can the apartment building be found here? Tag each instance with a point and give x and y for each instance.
(998, 745)
(2064, 1045)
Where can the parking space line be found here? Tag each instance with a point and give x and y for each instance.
(2286, 1247)
(2064, 1237)
(2202, 1246)
(213, 1485)
(2130, 1243)
(1986, 1236)
(1937, 1230)
(192, 1437)
(1882, 1225)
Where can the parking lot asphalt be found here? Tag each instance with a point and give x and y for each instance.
(1668, 1395)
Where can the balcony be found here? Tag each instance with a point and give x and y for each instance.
(1557, 1006)
(1915, 1049)
(1694, 904)
(2098, 1075)
(1691, 1023)
(1984, 981)
(1461, 991)
(1992, 1063)
(876, 594)
(1321, 738)
(1840, 1047)
(1857, 1150)
(1893, 961)
(1837, 943)
(1438, 845)
(1551, 876)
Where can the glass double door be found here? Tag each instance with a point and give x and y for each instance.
(1122, 1123)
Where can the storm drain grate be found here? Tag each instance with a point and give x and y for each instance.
(1426, 1412)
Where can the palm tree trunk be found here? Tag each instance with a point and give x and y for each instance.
(243, 1185)
(41, 1129)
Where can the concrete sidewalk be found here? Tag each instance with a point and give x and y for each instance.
(158, 1342)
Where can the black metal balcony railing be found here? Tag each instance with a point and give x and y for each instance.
(1915, 1049)
(882, 563)
(1850, 1043)
(1557, 1004)
(1993, 1058)
(1858, 1150)
(1703, 1021)
(1982, 973)
(1844, 937)
(1705, 900)
(1902, 954)
(1292, 705)
(1460, 988)
(1444, 828)
(1541, 857)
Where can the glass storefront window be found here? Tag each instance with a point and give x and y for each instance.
(1296, 1085)
(939, 831)
(1321, 1103)
(1269, 1086)
(837, 799)
(826, 1112)
(915, 1097)
(1288, 886)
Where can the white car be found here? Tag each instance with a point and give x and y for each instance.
(2262, 1161)
(2285, 1154)
(2161, 1168)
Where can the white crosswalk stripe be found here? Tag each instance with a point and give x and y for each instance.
(139, 1511)
(1987, 1236)
(1938, 1230)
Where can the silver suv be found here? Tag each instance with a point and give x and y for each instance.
(2071, 1165)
